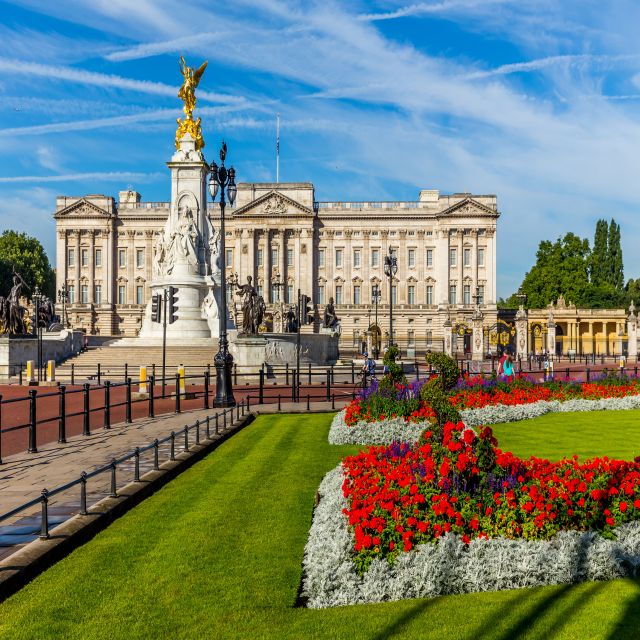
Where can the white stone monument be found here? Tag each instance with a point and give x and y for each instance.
(186, 252)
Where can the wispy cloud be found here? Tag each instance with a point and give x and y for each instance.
(148, 49)
(106, 81)
(110, 176)
(551, 61)
(425, 8)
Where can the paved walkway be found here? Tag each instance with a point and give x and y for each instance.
(23, 476)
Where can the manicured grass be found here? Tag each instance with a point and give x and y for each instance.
(217, 554)
(586, 434)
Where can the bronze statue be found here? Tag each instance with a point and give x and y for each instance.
(253, 308)
(330, 317)
(13, 321)
(292, 324)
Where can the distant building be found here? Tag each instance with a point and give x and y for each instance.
(285, 239)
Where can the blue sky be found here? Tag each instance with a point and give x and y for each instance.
(533, 100)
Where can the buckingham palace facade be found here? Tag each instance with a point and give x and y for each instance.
(284, 238)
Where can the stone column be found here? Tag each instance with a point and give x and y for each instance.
(251, 256)
(421, 294)
(632, 333)
(365, 267)
(92, 265)
(236, 267)
(477, 346)
(330, 266)
(460, 285)
(447, 330)
(297, 267)
(76, 234)
(347, 257)
(521, 333)
(148, 260)
(267, 265)
(551, 335)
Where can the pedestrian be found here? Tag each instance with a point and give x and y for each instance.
(507, 367)
(545, 366)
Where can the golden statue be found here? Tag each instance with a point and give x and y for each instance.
(188, 95)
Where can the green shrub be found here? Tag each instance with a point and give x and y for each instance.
(395, 370)
(433, 394)
(446, 367)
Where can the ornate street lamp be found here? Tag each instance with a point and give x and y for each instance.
(37, 328)
(390, 270)
(63, 298)
(376, 296)
(221, 179)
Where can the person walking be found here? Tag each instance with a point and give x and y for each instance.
(508, 369)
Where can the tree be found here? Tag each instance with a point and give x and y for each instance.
(561, 267)
(616, 267)
(599, 266)
(28, 257)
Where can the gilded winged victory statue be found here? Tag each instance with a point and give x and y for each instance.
(187, 94)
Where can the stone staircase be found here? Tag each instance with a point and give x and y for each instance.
(118, 360)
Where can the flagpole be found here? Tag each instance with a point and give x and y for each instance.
(277, 148)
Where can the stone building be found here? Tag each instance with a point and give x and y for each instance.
(284, 238)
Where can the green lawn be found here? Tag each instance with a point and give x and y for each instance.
(217, 554)
(586, 434)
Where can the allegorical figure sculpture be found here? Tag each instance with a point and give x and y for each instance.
(292, 325)
(191, 79)
(253, 308)
(330, 317)
(12, 312)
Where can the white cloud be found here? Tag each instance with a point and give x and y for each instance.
(110, 176)
(81, 76)
(148, 49)
(426, 8)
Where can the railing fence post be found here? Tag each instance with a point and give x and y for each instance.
(328, 384)
(353, 372)
(172, 453)
(279, 405)
(83, 494)
(197, 431)
(587, 374)
(127, 417)
(136, 467)
(309, 376)
(33, 422)
(235, 374)
(207, 428)
(186, 438)
(293, 384)
(286, 373)
(206, 389)
(62, 418)
(156, 462)
(126, 371)
(44, 524)
(308, 401)
(177, 410)
(86, 411)
(217, 423)
(114, 491)
(224, 420)
(99, 376)
(107, 404)
(261, 389)
(73, 373)
(333, 401)
(152, 408)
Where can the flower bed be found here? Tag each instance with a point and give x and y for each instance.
(454, 513)
(451, 566)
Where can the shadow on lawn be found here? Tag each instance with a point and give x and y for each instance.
(402, 621)
(628, 625)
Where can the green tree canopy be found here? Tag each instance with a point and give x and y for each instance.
(28, 257)
(600, 254)
(616, 267)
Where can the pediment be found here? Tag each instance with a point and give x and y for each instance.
(83, 208)
(273, 204)
(469, 208)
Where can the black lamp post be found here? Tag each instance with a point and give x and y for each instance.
(390, 270)
(63, 298)
(221, 179)
(376, 296)
(37, 328)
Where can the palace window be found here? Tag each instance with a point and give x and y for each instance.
(466, 294)
(140, 294)
(375, 257)
(453, 257)
(338, 294)
(122, 257)
(338, 257)
(259, 257)
(228, 257)
(259, 289)
(411, 258)
(481, 257)
(356, 294)
(356, 258)
(452, 294)
(429, 257)
(289, 257)
(139, 258)
(429, 338)
(275, 291)
(98, 260)
(321, 294)
(394, 294)
(481, 294)
(122, 294)
(274, 256)
(321, 257)
(467, 257)
(429, 294)
(84, 256)
(229, 296)
(71, 257)
(72, 294)
(97, 294)
(290, 293)
(84, 294)
(411, 294)
(411, 339)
